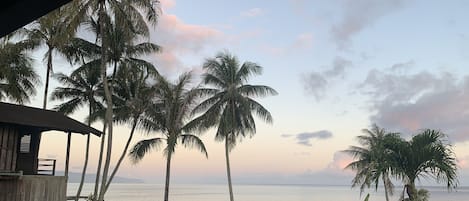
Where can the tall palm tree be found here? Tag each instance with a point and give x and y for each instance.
(170, 115)
(133, 97)
(81, 88)
(230, 104)
(17, 77)
(124, 53)
(374, 160)
(50, 30)
(125, 49)
(427, 154)
(132, 20)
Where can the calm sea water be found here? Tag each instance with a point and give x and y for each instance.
(219, 192)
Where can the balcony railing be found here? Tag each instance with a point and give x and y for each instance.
(46, 166)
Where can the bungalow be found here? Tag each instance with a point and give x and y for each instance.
(24, 177)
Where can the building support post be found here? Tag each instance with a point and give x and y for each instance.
(67, 159)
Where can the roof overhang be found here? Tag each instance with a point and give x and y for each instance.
(14, 14)
(42, 120)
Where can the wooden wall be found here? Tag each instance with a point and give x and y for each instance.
(33, 188)
(8, 148)
(27, 162)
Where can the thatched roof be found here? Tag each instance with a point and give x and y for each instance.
(42, 120)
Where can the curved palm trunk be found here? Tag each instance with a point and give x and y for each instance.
(411, 191)
(228, 171)
(386, 185)
(109, 104)
(87, 153)
(100, 162)
(49, 69)
(168, 172)
(85, 165)
(122, 155)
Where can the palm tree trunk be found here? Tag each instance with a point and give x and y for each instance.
(168, 173)
(109, 104)
(100, 162)
(228, 171)
(411, 191)
(385, 182)
(87, 152)
(49, 69)
(85, 165)
(122, 155)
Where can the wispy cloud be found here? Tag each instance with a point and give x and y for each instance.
(253, 12)
(358, 15)
(463, 162)
(403, 66)
(339, 161)
(180, 39)
(303, 41)
(410, 102)
(316, 83)
(306, 138)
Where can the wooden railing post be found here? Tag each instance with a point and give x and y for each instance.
(53, 167)
(67, 159)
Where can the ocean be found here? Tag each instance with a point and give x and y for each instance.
(219, 192)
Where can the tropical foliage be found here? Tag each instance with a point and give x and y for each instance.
(49, 31)
(372, 163)
(170, 115)
(387, 155)
(230, 105)
(17, 77)
(112, 80)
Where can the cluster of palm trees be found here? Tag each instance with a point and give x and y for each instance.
(386, 156)
(117, 86)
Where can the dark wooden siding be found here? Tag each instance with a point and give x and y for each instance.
(27, 162)
(8, 148)
(33, 188)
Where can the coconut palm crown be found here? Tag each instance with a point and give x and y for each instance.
(373, 160)
(230, 105)
(170, 116)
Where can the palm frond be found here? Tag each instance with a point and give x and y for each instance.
(192, 141)
(142, 147)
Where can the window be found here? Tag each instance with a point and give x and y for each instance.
(25, 145)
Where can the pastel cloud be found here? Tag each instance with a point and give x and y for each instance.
(180, 39)
(358, 15)
(303, 41)
(167, 4)
(253, 12)
(410, 102)
(463, 162)
(306, 137)
(339, 161)
(316, 83)
(403, 66)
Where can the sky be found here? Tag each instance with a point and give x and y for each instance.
(339, 66)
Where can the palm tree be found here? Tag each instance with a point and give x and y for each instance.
(80, 88)
(123, 54)
(50, 31)
(169, 115)
(17, 77)
(124, 49)
(230, 102)
(427, 154)
(374, 161)
(133, 97)
(128, 11)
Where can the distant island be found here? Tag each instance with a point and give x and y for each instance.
(74, 177)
